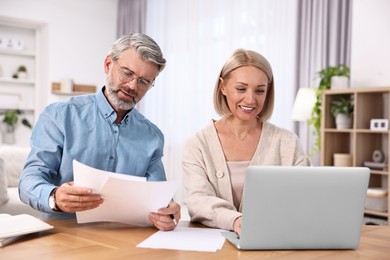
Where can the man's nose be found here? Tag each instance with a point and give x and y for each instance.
(133, 83)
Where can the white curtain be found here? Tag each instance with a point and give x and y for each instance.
(196, 37)
(324, 40)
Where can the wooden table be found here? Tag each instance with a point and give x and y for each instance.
(69, 240)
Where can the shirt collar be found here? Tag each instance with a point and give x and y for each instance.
(105, 107)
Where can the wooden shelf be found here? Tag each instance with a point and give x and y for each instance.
(359, 141)
(78, 89)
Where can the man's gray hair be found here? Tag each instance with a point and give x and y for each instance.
(144, 45)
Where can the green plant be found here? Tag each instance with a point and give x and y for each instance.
(22, 68)
(325, 76)
(343, 105)
(11, 118)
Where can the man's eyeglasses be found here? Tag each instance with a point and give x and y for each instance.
(126, 76)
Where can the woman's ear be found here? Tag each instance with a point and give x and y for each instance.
(221, 86)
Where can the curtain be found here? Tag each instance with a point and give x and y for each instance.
(324, 39)
(197, 37)
(131, 16)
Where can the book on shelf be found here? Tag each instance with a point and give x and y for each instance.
(15, 227)
(381, 166)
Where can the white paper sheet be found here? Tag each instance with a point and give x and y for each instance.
(182, 238)
(127, 199)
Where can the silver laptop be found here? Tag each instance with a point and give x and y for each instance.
(302, 208)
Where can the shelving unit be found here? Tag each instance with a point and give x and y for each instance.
(359, 141)
(21, 93)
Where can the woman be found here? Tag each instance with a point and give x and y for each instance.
(215, 159)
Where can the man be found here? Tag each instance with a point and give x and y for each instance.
(102, 130)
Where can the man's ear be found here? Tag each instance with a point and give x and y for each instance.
(107, 63)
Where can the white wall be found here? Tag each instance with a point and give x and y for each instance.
(370, 57)
(79, 34)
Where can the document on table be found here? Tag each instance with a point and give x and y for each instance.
(182, 238)
(127, 199)
(14, 227)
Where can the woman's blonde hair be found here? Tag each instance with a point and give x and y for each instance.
(240, 58)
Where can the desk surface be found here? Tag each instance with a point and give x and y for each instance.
(69, 240)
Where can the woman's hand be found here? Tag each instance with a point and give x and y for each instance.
(237, 225)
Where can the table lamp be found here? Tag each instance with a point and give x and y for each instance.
(302, 110)
(303, 104)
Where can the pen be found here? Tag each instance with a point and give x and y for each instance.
(173, 218)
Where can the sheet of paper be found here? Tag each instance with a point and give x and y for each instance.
(127, 199)
(89, 177)
(182, 238)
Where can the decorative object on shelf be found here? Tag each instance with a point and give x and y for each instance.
(325, 76)
(378, 161)
(379, 124)
(377, 199)
(66, 85)
(339, 82)
(10, 119)
(21, 73)
(11, 44)
(379, 166)
(342, 110)
(378, 156)
(342, 159)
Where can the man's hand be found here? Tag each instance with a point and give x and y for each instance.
(166, 218)
(70, 198)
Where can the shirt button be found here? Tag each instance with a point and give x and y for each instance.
(111, 157)
(219, 174)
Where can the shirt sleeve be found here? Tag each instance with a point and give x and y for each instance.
(39, 175)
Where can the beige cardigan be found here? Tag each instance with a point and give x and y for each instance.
(206, 178)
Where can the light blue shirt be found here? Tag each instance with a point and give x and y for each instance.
(83, 129)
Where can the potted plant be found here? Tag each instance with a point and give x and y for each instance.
(21, 73)
(10, 119)
(342, 110)
(325, 76)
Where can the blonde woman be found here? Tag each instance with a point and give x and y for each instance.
(215, 158)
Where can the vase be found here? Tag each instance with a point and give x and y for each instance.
(339, 82)
(22, 75)
(343, 121)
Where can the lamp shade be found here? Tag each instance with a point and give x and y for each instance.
(303, 104)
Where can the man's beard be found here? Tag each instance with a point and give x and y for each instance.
(112, 95)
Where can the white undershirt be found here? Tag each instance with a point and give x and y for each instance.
(237, 177)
